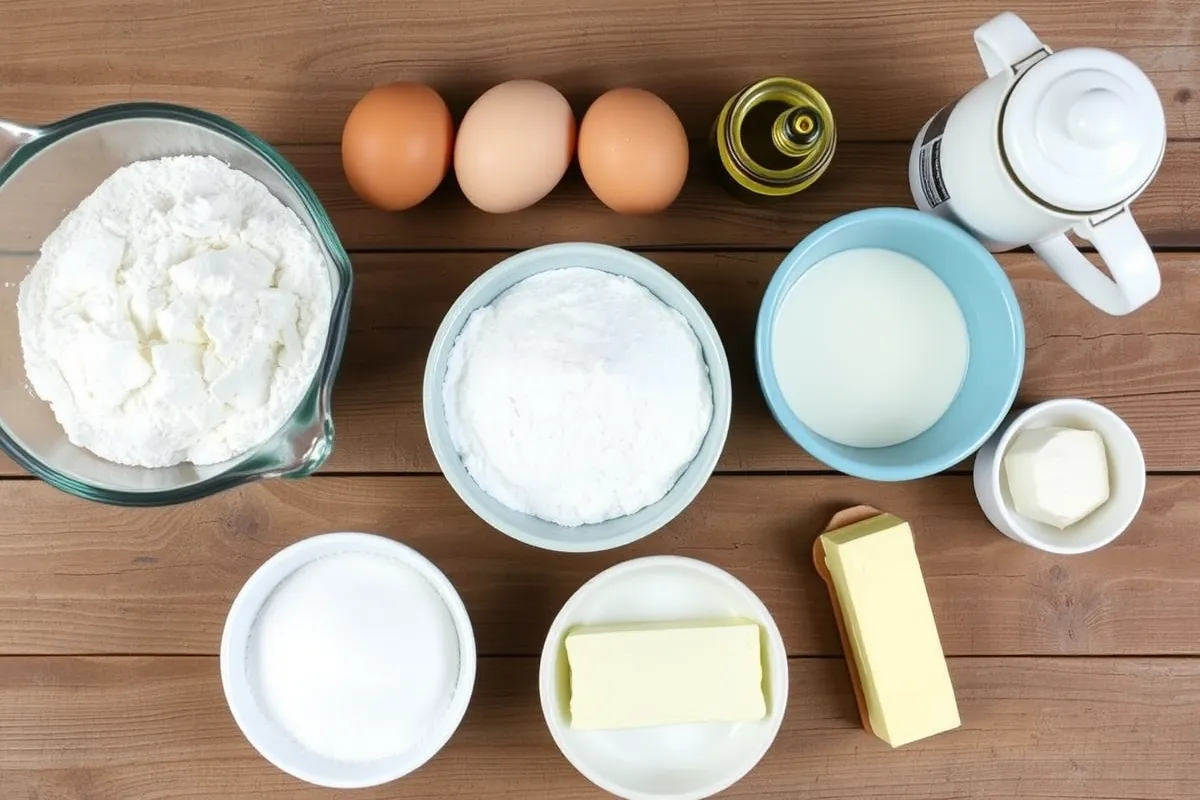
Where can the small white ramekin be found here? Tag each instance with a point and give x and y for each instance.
(266, 736)
(1126, 472)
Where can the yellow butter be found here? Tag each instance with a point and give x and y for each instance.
(885, 608)
(632, 676)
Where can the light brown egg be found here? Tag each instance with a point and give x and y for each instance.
(514, 145)
(397, 144)
(633, 151)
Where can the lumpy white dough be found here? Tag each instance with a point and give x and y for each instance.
(178, 314)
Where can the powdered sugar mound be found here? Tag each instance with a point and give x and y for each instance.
(179, 313)
(577, 396)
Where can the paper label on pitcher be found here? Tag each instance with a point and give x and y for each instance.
(929, 158)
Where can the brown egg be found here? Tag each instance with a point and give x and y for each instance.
(397, 144)
(514, 145)
(633, 151)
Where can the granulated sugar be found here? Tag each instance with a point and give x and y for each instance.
(577, 396)
(355, 656)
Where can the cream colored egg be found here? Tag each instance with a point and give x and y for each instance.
(514, 145)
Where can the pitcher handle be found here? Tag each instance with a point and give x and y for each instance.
(1005, 42)
(1123, 247)
(12, 136)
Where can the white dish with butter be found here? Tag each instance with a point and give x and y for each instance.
(666, 762)
(1126, 475)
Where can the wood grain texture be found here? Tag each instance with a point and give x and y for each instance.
(1035, 729)
(291, 70)
(1078, 678)
(863, 175)
(1146, 366)
(78, 578)
(706, 216)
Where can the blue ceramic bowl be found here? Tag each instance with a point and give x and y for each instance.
(995, 331)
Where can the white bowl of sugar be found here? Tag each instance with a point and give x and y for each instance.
(348, 660)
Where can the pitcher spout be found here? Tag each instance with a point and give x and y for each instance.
(309, 447)
(304, 444)
(12, 137)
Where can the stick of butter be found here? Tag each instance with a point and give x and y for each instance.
(889, 623)
(639, 675)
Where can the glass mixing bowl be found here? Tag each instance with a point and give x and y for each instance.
(44, 173)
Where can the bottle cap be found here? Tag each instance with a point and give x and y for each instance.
(1083, 130)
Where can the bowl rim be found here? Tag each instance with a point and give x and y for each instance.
(817, 446)
(720, 382)
(774, 648)
(254, 723)
(1086, 408)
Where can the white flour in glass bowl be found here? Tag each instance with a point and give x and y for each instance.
(178, 314)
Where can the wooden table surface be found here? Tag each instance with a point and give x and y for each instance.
(1077, 677)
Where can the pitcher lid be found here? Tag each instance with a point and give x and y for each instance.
(1083, 129)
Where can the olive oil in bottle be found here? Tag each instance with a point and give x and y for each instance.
(774, 138)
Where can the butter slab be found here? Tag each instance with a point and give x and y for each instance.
(889, 621)
(642, 675)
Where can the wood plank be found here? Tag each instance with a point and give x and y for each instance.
(291, 70)
(1146, 366)
(77, 578)
(705, 215)
(1038, 729)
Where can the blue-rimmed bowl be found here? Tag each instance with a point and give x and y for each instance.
(995, 331)
(614, 532)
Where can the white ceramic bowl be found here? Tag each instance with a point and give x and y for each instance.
(614, 532)
(1126, 474)
(268, 738)
(675, 762)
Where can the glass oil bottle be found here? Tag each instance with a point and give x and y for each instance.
(774, 138)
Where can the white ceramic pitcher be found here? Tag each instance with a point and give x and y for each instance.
(1049, 143)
